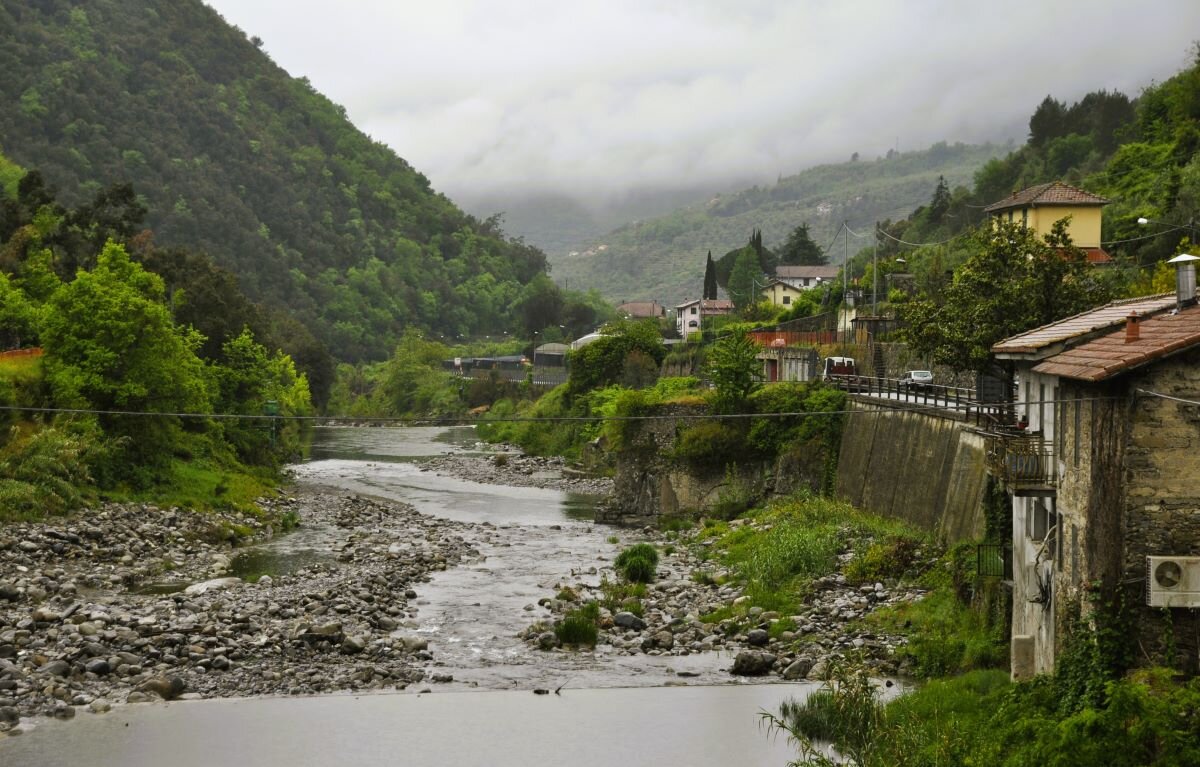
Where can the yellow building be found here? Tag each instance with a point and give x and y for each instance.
(1038, 207)
(780, 293)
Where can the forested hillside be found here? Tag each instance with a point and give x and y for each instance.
(663, 258)
(232, 156)
(1141, 153)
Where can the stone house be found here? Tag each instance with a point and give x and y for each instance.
(1102, 469)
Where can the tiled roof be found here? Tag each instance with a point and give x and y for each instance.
(1053, 193)
(710, 304)
(1033, 341)
(809, 272)
(642, 308)
(1097, 256)
(1112, 355)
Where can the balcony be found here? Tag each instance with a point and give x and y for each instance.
(1023, 462)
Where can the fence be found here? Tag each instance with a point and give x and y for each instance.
(33, 351)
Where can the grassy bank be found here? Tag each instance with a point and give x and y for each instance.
(981, 718)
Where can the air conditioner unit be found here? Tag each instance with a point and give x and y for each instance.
(1173, 581)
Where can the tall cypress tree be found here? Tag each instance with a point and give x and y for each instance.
(710, 279)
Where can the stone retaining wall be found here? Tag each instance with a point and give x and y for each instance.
(925, 469)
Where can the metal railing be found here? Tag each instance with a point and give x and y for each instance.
(994, 560)
(903, 394)
(1021, 461)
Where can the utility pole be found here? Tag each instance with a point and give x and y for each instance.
(844, 319)
(875, 274)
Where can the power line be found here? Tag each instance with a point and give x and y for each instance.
(1168, 396)
(1146, 236)
(922, 244)
(892, 405)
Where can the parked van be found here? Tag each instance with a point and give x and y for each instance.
(839, 366)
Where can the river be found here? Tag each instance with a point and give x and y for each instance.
(611, 709)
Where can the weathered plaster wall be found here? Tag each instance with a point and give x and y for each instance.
(925, 469)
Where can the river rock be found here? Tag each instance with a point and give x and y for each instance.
(629, 620)
(214, 584)
(547, 640)
(99, 706)
(167, 688)
(752, 663)
(797, 669)
(97, 666)
(9, 592)
(757, 638)
(57, 668)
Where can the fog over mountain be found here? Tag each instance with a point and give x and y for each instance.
(596, 98)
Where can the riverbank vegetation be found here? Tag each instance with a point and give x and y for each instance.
(1147, 719)
(111, 388)
(777, 551)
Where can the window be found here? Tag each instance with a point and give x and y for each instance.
(693, 310)
(1025, 216)
(787, 300)
(1041, 409)
(1037, 521)
(806, 282)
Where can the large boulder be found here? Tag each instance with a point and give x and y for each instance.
(753, 663)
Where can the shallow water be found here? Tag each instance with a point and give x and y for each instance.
(471, 614)
(695, 726)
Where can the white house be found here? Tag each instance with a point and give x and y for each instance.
(690, 315)
(807, 277)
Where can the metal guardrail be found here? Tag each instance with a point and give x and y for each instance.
(960, 401)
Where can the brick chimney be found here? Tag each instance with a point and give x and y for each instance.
(1133, 328)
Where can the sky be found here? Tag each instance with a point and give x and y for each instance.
(597, 97)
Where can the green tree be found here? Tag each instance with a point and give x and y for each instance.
(249, 381)
(939, 206)
(111, 345)
(800, 250)
(607, 360)
(742, 279)
(710, 279)
(735, 370)
(18, 319)
(412, 381)
(540, 305)
(1012, 282)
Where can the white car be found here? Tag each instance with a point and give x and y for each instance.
(917, 380)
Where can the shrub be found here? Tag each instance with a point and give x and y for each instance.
(894, 557)
(638, 563)
(579, 626)
(577, 630)
(709, 445)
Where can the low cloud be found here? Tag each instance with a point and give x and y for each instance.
(599, 97)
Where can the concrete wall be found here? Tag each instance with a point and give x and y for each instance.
(925, 469)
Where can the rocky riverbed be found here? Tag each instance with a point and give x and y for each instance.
(129, 603)
(760, 643)
(75, 634)
(509, 466)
